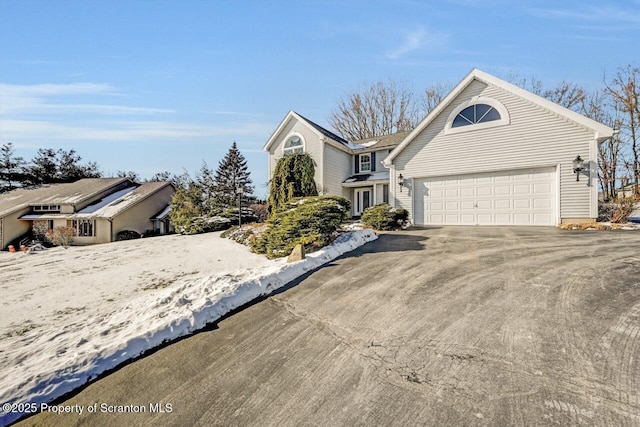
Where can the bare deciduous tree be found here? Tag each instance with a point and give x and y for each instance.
(433, 95)
(625, 92)
(597, 106)
(375, 110)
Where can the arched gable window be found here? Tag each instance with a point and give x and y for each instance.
(477, 113)
(474, 114)
(294, 144)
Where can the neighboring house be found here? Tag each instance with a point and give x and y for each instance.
(627, 191)
(490, 153)
(343, 168)
(97, 208)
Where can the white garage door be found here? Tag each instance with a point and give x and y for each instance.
(524, 197)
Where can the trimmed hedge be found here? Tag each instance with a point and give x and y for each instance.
(384, 217)
(127, 235)
(311, 221)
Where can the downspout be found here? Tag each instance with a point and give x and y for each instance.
(110, 229)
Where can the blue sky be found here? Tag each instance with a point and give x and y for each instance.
(152, 85)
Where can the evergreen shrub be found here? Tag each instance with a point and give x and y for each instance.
(384, 217)
(311, 221)
(127, 235)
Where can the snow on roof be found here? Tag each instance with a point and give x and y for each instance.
(99, 204)
(110, 206)
(58, 194)
(375, 176)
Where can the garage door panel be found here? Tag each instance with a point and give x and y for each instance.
(542, 204)
(522, 203)
(521, 218)
(467, 192)
(503, 218)
(501, 198)
(485, 191)
(466, 218)
(542, 188)
(451, 219)
(485, 219)
(484, 204)
(542, 218)
(502, 190)
(502, 204)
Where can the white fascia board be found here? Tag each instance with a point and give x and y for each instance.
(281, 126)
(429, 118)
(603, 132)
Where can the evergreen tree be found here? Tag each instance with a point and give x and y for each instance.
(11, 168)
(49, 166)
(132, 175)
(232, 175)
(292, 177)
(186, 205)
(206, 181)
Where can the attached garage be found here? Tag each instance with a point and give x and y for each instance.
(521, 197)
(492, 153)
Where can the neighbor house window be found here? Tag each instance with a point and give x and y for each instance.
(294, 144)
(365, 163)
(474, 114)
(385, 193)
(84, 227)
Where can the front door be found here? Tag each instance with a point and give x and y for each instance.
(362, 200)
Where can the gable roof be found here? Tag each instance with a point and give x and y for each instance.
(371, 144)
(322, 132)
(601, 132)
(58, 194)
(109, 207)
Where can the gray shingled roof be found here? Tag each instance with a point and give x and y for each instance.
(386, 141)
(55, 194)
(326, 133)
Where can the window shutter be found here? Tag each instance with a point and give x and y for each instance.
(373, 162)
(357, 164)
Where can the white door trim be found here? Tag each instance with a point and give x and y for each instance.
(359, 200)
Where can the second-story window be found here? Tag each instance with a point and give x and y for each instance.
(293, 145)
(365, 162)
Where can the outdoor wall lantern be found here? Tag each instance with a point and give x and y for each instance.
(400, 181)
(578, 166)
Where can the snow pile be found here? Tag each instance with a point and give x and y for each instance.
(41, 363)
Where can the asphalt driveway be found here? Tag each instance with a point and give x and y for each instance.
(441, 326)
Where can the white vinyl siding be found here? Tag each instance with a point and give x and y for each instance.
(534, 138)
(337, 168)
(312, 145)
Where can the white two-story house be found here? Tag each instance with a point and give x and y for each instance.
(490, 153)
(353, 170)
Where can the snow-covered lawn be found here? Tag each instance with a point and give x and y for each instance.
(68, 315)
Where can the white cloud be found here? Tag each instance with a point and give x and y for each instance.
(142, 131)
(622, 16)
(53, 99)
(417, 39)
